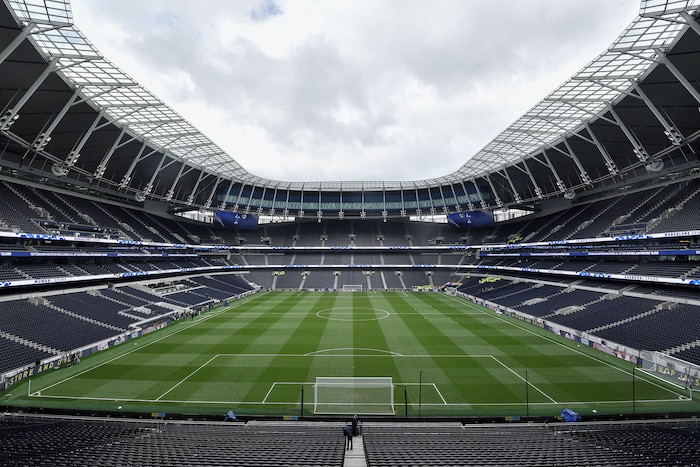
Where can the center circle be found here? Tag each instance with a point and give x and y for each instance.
(348, 313)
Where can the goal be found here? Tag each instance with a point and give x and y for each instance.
(352, 288)
(354, 395)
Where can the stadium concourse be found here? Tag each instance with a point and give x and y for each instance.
(581, 218)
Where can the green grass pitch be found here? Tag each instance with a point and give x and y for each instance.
(447, 356)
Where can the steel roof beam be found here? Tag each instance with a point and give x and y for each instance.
(538, 191)
(45, 136)
(679, 76)
(171, 192)
(13, 113)
(149, 186)
(506, 175)
(23, 34)
(445, 209)
(670, 130)
(222, 205)
(637, 147)
(610, 164)
(126, 179)
(470, 205)
(690, 21)
(457, 206)
(496, 198)
(601, 83)
(102, 166)
(548, 163)
(191, 196)
(478, 194)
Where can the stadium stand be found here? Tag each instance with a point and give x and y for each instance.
(45, 441)
(50, 327)
(612, 444)
(51, 441)
(95, 307)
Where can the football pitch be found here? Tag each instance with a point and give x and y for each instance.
(446, 357)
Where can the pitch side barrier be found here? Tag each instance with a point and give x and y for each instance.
(675, 370)
(682, 374)
(10, 378)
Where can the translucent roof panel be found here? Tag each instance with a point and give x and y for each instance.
(589, 90)
(166, 130)
(152, 115)
(97, 73)
(65, 43)
(584, 97)
(647, 33)
(658, 8)
(126, 96)
(55, 12)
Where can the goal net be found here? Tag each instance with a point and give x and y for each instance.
(349, 395)
(352, 288)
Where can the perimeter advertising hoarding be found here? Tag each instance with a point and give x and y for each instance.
(234, 220)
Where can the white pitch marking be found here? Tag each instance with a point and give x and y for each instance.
(516, 374)
(188, 376)
(177, 331)
(514, 324)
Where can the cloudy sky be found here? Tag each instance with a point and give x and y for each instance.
(306, 90)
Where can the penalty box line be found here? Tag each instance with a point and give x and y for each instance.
(444, 402)
(207, 363)
(272, 386)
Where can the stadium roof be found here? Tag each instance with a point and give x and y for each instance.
(73, 117)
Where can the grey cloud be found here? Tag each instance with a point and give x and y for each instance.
(403, 89)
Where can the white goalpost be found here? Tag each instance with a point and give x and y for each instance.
(354, 395)
(352, 288)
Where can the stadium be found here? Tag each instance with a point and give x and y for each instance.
(539, 305)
